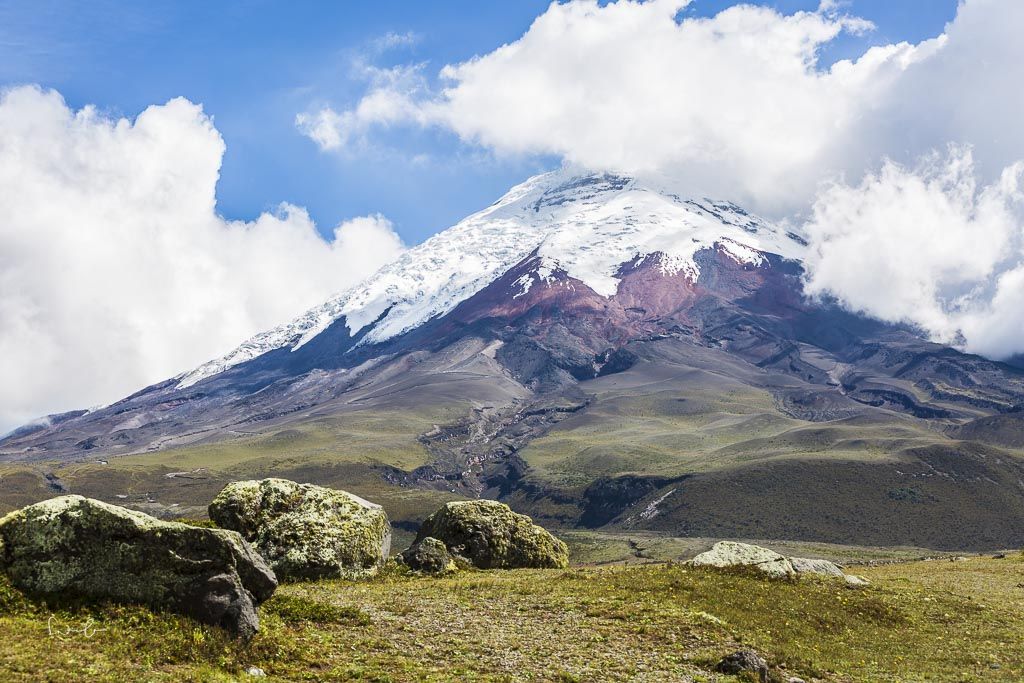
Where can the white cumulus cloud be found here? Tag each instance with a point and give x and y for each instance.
(116, 270)
(926, 245)
(391, 99)
(740, 106)
(735, 104)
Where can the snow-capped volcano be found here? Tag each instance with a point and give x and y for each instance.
(585, 226)
(581, 348)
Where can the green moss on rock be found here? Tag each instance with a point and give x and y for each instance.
(429, 556)
(491, 536)
(204, 523)
(305, 531)
(73, 549)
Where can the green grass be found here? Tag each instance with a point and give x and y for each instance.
(656, 433)
(348, 450)
(360, 436)
(920, 621)
(595, 547)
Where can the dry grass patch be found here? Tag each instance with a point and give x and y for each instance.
(920, 621)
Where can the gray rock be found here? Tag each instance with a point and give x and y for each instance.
(491, 536)
(429, 556)
(803, 565)
(741, 661)
(75, 547)
(305, 531)
(854, 581)
(732, 554)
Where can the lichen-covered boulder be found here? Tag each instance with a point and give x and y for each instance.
(305, 531)
(75, 547)
(429, 556)
(732, 554)
(803, 565)
(490, 536)
(744, 661)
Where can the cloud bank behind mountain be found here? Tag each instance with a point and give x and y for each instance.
(901, 164)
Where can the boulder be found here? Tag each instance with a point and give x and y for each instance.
(854, 581)
(744, 661)
(75, 547)
(803, 565)
(732, 554)
(305, 531)
(429, 556)
(490, 536)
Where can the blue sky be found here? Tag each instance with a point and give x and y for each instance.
(255, 65)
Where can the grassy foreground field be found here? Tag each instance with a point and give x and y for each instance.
(944, 620)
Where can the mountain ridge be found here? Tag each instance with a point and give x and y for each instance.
(426, 281)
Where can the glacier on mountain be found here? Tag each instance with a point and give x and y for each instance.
(586, 226)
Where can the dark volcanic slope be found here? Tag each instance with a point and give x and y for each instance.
(720, 404)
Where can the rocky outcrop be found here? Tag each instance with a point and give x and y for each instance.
(732, 554)
(305, 531)
(491, 536)
(75, 547)
(744, 661)
(429, 556)
(803, 565)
